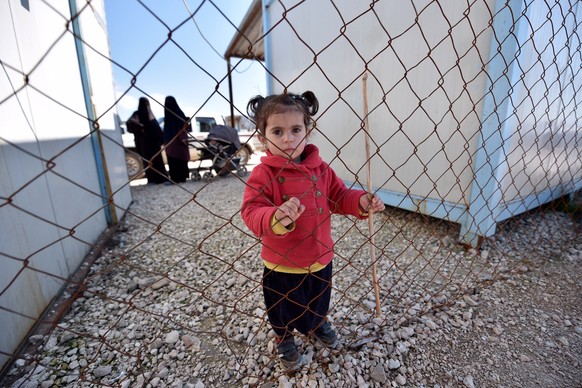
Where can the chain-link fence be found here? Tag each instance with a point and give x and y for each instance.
(168, 291)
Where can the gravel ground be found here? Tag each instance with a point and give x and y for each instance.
(175, 300)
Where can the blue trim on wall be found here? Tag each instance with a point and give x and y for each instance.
(429, 206)
(458, 213)
(95, 140)
(267, 45)
(489, 162)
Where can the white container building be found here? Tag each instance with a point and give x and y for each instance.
(473, 109)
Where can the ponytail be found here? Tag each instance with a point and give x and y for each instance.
(259, 108)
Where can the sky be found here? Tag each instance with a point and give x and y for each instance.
(186, 67)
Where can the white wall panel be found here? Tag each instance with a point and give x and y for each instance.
(52, 203)
(430, 66)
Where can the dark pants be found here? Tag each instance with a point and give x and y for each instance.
(178, 169)
(296, 301)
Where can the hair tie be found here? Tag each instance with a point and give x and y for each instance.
(298, 97)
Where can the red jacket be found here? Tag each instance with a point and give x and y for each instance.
(318, 188)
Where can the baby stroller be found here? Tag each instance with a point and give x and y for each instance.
(220, 147)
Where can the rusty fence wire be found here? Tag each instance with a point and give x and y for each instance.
(171, 291)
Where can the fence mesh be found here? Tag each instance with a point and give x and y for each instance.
(173, 297)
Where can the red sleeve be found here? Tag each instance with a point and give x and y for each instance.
(342, 199)
(257, 208)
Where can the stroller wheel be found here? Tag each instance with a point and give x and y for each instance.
(196, 176)
(208, 176)
(241, 171)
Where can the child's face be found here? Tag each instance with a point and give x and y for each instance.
(285, 134)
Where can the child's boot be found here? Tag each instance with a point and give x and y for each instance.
(326, 336)
(288, 354)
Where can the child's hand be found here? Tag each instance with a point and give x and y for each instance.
(375, 205)
(289, 211)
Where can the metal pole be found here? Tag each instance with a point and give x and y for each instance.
(229, 72)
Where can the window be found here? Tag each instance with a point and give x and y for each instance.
(204, 124)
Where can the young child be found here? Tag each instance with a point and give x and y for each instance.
(288, 202)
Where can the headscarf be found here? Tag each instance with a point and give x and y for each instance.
(173, 116)
(144, 111)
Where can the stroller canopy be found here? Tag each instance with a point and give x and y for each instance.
(224, 134)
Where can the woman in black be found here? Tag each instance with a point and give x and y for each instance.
(176, 140)
(148, 141)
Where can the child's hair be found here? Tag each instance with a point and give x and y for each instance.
(260, 108)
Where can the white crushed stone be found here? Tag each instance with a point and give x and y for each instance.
(177, 302)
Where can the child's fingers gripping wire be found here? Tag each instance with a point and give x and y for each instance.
(289, 211)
